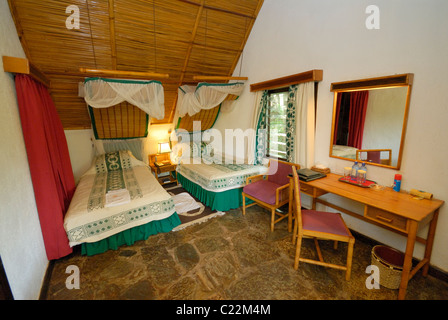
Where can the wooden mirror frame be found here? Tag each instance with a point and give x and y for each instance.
(400, 80)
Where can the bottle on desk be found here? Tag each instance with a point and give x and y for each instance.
(354, 176)
(397, 182)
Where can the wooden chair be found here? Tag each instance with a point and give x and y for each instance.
(320, 225)
(270, 190)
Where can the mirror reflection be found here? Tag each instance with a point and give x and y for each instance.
(369, 124)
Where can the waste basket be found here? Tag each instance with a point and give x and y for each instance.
(390, 264)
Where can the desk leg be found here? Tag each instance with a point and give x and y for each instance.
(407, 265)
(430, 241)
(313, 206)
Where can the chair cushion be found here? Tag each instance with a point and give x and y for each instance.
(279, 172)
(328, 222)
(263, 190)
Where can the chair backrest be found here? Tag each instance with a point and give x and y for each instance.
(297, 200)
(375, 155)
(278, 171)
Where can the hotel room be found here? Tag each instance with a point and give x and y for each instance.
(251, 42)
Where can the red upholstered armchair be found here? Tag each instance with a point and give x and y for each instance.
(271, 190)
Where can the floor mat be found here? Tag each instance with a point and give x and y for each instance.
(190, 210)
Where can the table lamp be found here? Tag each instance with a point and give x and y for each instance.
(164, 147)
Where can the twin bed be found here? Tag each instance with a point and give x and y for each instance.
(218, 186)
(119, 201)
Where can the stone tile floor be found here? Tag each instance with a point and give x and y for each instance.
(229, 257)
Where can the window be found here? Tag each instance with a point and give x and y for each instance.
(276, 123)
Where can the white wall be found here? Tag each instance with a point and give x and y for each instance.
(21, 245)
(81, 150)
(293, 36)
(158, 133)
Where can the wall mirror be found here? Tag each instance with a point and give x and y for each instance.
(369, 119)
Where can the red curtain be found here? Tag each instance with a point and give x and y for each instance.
(358, 109)
(49, 161)
(336, 117)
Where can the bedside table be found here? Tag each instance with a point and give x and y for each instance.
(157, 170)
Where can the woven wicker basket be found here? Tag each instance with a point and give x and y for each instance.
(390, 264)
(326, 170)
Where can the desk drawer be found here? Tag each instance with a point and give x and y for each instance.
(167, 168)
(386, 218)
(306, 189)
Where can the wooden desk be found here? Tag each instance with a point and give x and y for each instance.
(395, 211)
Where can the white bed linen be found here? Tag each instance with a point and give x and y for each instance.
(219, 177)
(344, 151)
(84, 224)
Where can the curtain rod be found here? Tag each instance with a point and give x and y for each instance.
(217, 78)
(307, 76)
(24, 66)
(125, 73)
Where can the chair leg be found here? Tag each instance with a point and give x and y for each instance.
(244, 205)
(272, 219)
(290, 214)
(319, 253)
(294, 232)
(351, 243)
(298, 249)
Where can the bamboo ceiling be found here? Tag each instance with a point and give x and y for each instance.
(182, 38)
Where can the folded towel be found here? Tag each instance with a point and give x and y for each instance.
(184, 202)
(117, 197)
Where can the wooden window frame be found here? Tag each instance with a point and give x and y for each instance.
(268, 116)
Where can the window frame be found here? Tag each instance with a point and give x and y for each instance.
(268, 120)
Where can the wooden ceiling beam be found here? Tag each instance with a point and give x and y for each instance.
(246, 36)
(191, 42)
(219, 9)
(216, 48)
(187, 57)
(15, 18)
(113, 46)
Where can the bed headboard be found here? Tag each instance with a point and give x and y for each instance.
(137, 147)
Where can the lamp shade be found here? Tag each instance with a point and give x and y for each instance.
(164, 147)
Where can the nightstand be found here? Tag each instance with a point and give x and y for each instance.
(165, 167)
